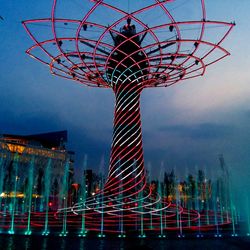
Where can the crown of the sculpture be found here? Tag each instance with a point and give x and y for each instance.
(149, 45)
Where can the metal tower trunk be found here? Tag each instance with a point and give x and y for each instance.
(126, 169)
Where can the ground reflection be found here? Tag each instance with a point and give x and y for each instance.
(15, 242)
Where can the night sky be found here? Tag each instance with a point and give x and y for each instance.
(184, 126)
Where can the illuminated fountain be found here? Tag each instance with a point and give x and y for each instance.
(127, 52)
(194, 206)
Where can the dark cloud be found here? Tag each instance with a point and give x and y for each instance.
(200, 131)
(14, 123)
(84, 144)
(248, 113)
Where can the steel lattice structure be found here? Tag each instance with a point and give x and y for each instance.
(127, 54)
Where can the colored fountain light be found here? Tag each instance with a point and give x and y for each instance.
(127, 52)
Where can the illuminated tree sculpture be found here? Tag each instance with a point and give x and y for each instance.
(109, 44)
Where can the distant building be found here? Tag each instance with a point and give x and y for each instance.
(88, 174)
(92, 181)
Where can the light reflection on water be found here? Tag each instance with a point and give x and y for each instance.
(13, 242)
(27, 243)
(63, 244)
(10, 243)
(44, 244)
(81, 245)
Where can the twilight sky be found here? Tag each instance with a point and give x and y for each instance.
(184, 126)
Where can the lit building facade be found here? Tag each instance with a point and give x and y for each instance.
(34, 164)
